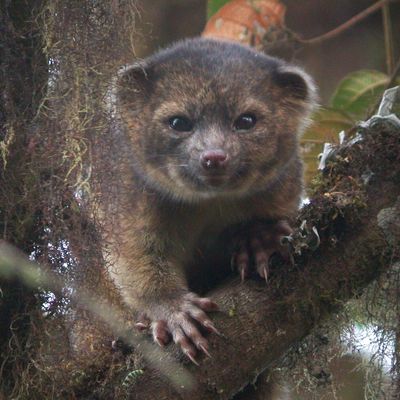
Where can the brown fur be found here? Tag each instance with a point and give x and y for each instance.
(169, 216)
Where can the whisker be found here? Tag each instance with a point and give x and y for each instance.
(165, 166)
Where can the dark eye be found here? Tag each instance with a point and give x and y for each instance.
(245, 122)
(180, 124)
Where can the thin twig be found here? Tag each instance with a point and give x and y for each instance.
(388, 35)
(348, 24)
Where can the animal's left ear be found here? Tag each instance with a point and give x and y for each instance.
(296, 83)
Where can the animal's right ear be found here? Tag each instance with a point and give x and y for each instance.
(133, 83)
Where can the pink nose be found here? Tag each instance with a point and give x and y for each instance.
(213, 159)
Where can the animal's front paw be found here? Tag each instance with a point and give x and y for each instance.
(180, 319)
(254, 247)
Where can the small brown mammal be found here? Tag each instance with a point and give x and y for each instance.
(211, 130)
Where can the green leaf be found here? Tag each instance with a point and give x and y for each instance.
(327, 123)
(214, 6)
(359, 92)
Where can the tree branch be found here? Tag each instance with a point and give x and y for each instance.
(346, 25)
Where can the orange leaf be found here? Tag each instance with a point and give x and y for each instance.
(245, 21)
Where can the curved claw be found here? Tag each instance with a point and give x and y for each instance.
(212, 328)
(191, 358)
(141, 326)
(205, 304)
(242, 274)
(204, 350)
(265, 269)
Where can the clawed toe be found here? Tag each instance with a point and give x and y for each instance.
(241, 259)
(181, 323)
(255, 250)
(160, 333)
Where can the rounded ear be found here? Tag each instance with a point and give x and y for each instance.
(297, 84)
(132, 84)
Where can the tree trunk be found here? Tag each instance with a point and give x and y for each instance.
(23, 78)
